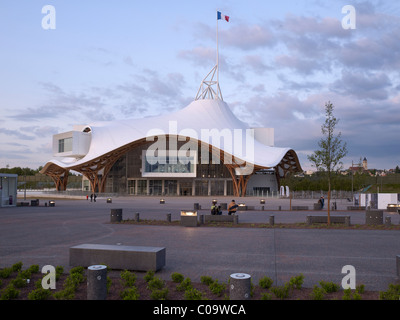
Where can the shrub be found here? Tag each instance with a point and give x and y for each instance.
(329, 287)
(149, 276)
(19, 281)
(39, 294)
(59, 272)
(281, 292)
(159, 294)
(33, 268)
(193, 294)
(350, 295)
(265, 282)
(79, 270)
(297, 282)
(129, 278)
(207, 280)
(217, 288)
(184, 285)
(393, 293)
(130, 294)
(360, 288)
(16, 266)
(177, 277)
(68, 293)
(155, 283)
(73, 280)
(9, 293)
(266, 296)
(318, 293)
(5, 273)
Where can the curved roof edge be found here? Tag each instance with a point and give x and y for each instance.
(209, 121)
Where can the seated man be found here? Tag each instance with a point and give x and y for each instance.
(214, 209)
(232, 207)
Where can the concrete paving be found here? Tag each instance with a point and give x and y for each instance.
(43, 235)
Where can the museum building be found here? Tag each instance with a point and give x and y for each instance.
(200, 150)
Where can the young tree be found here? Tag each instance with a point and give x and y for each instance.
(332, 150)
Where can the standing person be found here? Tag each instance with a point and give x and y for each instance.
(322, 202)
(232, 207)
(91, 197)
(95, 196)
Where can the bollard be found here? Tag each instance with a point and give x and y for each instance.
(202, 219)
(347, 221)
(279, 208)
(97, 282)
(116, 215)
(168, 217)
(137, 219)
(239, 286)
(388, 221)
(398, 267)
(271, 220)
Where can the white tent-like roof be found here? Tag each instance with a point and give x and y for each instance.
(208, 120)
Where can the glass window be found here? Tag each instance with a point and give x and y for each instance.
(65, 145)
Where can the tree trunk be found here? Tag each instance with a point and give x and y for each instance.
(329, 203)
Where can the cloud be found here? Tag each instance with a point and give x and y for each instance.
(16, 134)
(248, 37)
(363, 85)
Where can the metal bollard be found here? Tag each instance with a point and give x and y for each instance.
(137, 219)
(239, 286)
(398, 267)
(168, 217)
(347, 221)
(97, 282)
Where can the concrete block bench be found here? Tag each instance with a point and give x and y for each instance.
(324, 219)
(356, 208)
(221, 218)
(299, 208)
(136, 258)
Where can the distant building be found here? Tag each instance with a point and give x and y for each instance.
(8, 189)
(365, 164)
(361, 167)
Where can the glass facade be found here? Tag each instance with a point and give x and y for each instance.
(132, 174)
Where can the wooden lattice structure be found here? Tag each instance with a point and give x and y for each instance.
(96, 170)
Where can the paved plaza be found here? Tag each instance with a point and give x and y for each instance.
(43, 235)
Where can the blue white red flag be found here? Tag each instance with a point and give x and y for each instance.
(220, 16)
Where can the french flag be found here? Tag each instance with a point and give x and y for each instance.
(220, 16)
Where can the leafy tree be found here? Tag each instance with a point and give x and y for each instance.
(332, 149)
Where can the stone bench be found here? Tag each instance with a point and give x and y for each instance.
(356, 208)
(118, 257)
(393, 207)
(296, 208)
(324, 219)
(221, 218)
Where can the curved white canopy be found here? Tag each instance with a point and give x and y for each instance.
(210, 121)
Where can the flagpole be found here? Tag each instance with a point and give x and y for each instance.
(217, 55)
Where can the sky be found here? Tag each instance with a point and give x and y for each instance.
(280, 62)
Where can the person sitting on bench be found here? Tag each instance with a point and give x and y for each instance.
(232, 207)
